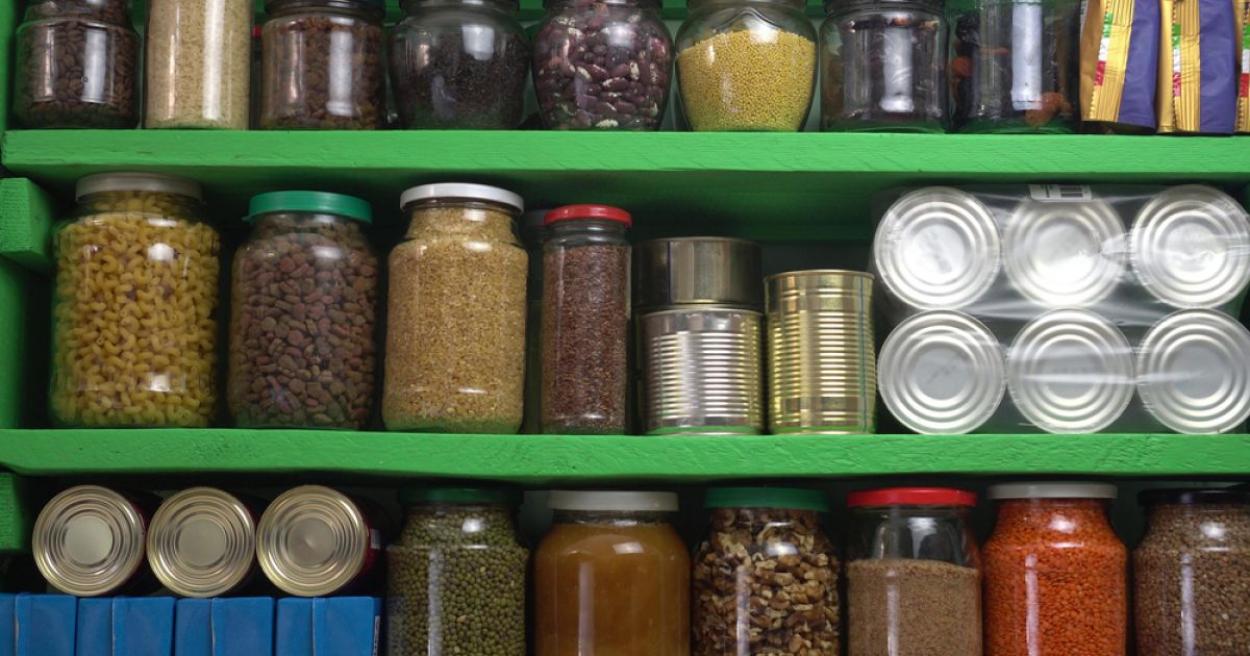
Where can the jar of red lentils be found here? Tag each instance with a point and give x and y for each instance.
(1056, 575)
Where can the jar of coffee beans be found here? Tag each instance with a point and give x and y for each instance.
(77, 65)
(321, 65)
(304, 303)
(602, 64)
(456, 576)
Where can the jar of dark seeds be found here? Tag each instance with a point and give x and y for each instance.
(77, 65)
(321, 65)
(765, 544)
(459, 64)
(602, 64)
(456, 576)
(585, 320)
(304, 302)
(1197, 541)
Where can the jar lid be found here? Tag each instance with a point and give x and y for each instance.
(612, 501)
(461, 191)
(789, 498)
(457, 495)
(149, 182)
(588, 212)
(309, 201)
(367, 4)
(1195, 496)
(1058, 490)
(911, 496)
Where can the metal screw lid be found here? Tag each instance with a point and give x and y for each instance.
(144, 182)
(1051, 490)
(312, 541)
(1194, 372)
(89, 541)
(1065, 254)
(202, 542)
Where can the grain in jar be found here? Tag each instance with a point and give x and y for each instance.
(198, 64)
(455, 341)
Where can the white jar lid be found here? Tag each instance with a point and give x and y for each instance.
(1056, 490)
(461, 191)
(611, 501)
(149, 182)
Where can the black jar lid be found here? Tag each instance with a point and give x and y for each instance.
(1195, 496)
(378, 6)
(883, 5)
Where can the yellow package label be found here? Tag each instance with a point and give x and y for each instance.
(1169, 56)
(1242, 10)
(1105, 39)
(1185, 85)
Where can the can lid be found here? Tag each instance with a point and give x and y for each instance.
(458, 495)
(310, 201)
(149, 182)
(912, 496)
(1192, 372)
(1195, 496)
(461, 191)
(791, 498)
(312, 541)
(1066, 253)
(612, 501)
(89, 541)
(1056, 490)
(202, 542)
(588, 212)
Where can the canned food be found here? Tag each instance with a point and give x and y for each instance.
(937, 248)
(89, 541)
(1064, 253)
(822, 368)
(942, 372)
(698, 270)
(1191, 247)
(702, 371)
(202, 543)
(313, 541)
(1193, 370)
(1070, 371)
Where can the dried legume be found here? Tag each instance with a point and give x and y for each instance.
(913, 607)
(748, 79)
(198, 64)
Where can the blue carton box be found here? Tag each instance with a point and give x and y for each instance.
(8, 624)
(342, 626)
(224, 627)
(45, 624)
(126, 626)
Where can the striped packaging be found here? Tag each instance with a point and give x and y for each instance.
(1242, 8)
(1119, 62)
(1198, 66)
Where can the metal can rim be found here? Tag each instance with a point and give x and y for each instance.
(1025, 221)
(280, 572)
(123, 570)
(239, 526)
(1149, 359)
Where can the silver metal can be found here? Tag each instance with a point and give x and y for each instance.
(202, 543)
(942, 372)
(1065, 253)
(822, 366)
(1193, 372)
(89, 541)
(698, 271)
(1191, 247)
(313, 541)
(702, 371)
(937, 248)
(1070, 371)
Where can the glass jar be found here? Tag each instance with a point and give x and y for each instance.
(765, 544)
(1056, 575)
(321, 65)
(602, 64)
(913, 573)
(198, 64)
(612, 577)
(77, 64)
(460, 64)
(746, 65)
(1192, 573)
(883, 66)
(585, 320)
(134, 327)
(456, 576)
(1015, 65)
(455, 338)
(304, 304)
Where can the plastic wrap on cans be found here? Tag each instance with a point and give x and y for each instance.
(89, 541)
(1194, 372)
(822, 370)
(1064, 253)
(313, 541)
(698, 271)
(703, 371)
(202, 543)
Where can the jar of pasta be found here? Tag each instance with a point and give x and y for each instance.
(134, 311)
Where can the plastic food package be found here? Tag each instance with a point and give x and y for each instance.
(1198, 62)
(1120, 62)
(1242, 39)
(1064, 309)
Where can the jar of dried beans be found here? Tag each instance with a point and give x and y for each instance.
(1056, 575)
(585, 320)
(455, 339)
(134, 311)
(77, 65)
(914, 574)
(1192, 573)
(765, 544)
(321, 65)
(304, 302)
(602, 64)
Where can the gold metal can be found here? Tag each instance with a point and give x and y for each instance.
(822, 364)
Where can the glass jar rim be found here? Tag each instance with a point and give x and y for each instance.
(781, 498)
(650, 4)
(158, 183)
(378, 6)
(511, 5)
(462, 191)
(320, 202)
(612, 501)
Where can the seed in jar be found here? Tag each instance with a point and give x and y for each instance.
(906, 607)
(199, 68)
(748, 79)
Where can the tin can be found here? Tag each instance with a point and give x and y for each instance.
(313, 541)
(1190, 247)
(822, 368)
(202, 543)
(698, 271)
(1193, 369)
(937, 248)
(942, 372)
(1070, 371)
(702, 371)
(89, 541)
(1064, 253)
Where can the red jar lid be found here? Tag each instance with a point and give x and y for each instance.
(911, 496)
(583, 212)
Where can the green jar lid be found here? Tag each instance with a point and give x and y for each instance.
(310, 201)
(790, 498)
(458, 495)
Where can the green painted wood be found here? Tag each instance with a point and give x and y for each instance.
(13, 305)
(9, 14)
(14, 515)
(26, 215)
